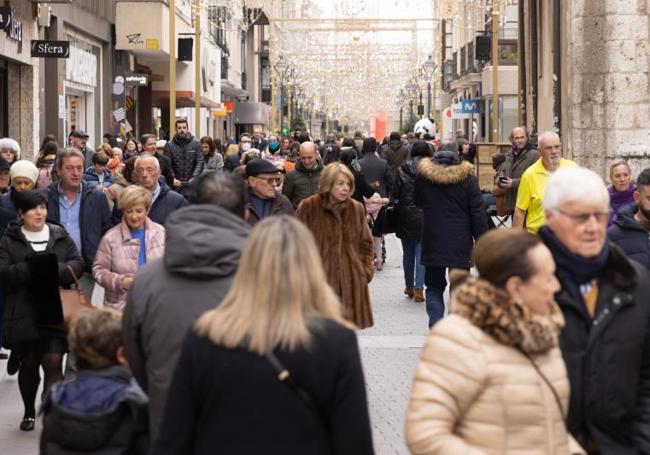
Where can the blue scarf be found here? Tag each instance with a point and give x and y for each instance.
(574, 270)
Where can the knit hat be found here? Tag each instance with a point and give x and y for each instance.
(369, 145)
(24, 168)
(11, 144)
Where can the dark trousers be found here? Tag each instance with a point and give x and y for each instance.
(435, 279)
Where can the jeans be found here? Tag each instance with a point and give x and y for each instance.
(436, 280)
(412, 250)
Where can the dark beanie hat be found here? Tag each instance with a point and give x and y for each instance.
(369, 145)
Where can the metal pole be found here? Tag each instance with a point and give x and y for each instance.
(281, 108)
(197, 68)
(429, 99)
(421, 106)
(172, 66)
(401, 112)
(495, 71)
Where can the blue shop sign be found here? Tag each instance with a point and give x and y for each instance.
(470, 106)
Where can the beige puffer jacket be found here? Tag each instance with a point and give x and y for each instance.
(473, 394)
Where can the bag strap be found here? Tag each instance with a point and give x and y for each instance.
(74, 277)
(550, 386)
(284, 376)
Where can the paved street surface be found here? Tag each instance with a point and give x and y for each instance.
(389, 350)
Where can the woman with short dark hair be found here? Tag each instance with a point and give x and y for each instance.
(36, 258)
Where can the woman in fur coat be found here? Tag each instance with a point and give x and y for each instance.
(343, 237)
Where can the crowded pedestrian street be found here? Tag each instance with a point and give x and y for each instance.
(325, 227)
(389, 352)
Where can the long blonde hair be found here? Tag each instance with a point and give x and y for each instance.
(279, 292)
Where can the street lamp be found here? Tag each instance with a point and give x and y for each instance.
(281, 67)
(429, 67)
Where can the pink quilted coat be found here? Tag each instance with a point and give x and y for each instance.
(117, 258)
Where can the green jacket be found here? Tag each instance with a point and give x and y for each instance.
(301, 183)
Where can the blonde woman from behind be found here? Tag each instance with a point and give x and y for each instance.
(491, 378)
(274, 368)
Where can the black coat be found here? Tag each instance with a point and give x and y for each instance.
(608, 360)
(377, 173)
(361, 187)
(166, 202)
(232, 399)
(186, 157)
(94, 219)
(8, 212)
(166, 168)
(453, 213)
(101, 411)
(30, 281)
(628, 234)
(409, 215)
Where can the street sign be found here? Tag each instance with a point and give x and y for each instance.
(136, 79)
(50, 49)
(470, 106)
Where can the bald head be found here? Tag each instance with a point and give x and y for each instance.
(519, 137)
(308, 155)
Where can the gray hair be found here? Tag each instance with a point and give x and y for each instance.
(11, 144)
(146, 155)
(617, 163)
(575, 184)
(543, 137)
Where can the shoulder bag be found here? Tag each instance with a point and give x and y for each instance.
(73, 301)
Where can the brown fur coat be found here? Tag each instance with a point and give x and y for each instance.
(345, 244)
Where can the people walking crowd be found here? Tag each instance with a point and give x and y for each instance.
(233, 276)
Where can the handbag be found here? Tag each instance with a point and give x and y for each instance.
(386, 222)
(73, 301)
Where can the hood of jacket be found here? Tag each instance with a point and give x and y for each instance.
(204, 241)
(77, 409)
(395, 144)
(625, 218)
(509, 322)
(445, 175)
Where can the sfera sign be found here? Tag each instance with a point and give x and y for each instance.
(50, 49)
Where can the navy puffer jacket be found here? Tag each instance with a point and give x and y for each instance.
(628, 234)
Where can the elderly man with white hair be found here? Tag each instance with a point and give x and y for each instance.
(146, 172)
(529, 209)
(605, 299)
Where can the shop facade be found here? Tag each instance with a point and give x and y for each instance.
(19, 103)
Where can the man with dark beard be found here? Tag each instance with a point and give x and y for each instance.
(186, 156)
(631, 228)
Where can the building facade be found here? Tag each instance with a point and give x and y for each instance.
(587, 78)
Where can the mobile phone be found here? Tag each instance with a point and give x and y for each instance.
(503, 179)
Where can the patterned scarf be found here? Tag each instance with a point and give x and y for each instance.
(509, 322)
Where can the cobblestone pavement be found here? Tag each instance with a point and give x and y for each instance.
(389, 351)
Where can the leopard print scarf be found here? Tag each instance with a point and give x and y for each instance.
(509, 322)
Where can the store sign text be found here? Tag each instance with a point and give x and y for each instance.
(81, 67)
(50, 49)
(10, 24)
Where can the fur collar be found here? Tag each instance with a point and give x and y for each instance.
(511, 323)
(445, 175)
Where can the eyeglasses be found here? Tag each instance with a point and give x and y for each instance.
(582, 218)
(270, 180)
